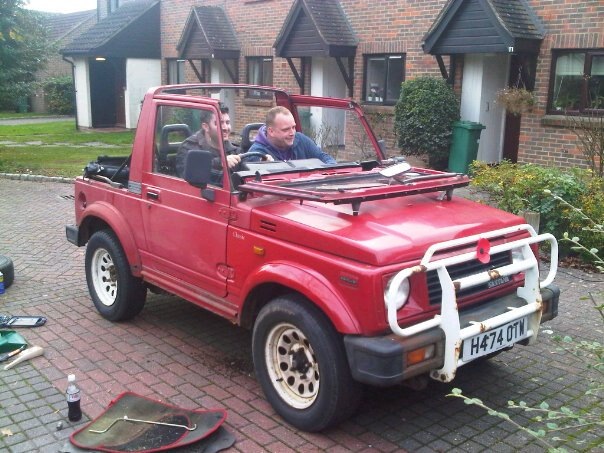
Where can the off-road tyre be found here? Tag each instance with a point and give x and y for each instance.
(8, 270)
(300, 362)
(116, 293)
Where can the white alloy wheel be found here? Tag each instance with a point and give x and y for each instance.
(292, 365)
(104, 277)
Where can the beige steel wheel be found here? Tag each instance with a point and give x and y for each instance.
(104, 277)
(301, 364)
(292, 365)
(116, 293)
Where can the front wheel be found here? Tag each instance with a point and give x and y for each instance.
(301, 365)
(116, 293)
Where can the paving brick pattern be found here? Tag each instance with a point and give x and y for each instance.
(178, 353)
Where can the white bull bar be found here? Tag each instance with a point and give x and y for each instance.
(448, 319)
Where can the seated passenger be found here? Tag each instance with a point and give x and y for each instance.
(278, 138)
(206, 138)
(225, 127)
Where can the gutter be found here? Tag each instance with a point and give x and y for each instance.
(75, 102)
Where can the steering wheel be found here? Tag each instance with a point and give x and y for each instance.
(251, 154)
(255, 154)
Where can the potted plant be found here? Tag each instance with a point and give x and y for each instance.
(516, 100)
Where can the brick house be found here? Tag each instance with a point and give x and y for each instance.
(62, 28)
(364, 50)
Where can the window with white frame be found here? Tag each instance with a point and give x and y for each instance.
(259, 72)
(383, 77)
(577, 81)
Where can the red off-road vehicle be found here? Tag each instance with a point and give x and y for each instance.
(366, 271)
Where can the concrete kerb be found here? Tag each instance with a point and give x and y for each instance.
(38, 178)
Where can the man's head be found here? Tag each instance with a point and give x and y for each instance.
(209, 127)
(225, 122)
(280, 127)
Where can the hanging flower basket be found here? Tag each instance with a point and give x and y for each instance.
(516, 100)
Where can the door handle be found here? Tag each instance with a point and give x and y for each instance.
(153, 195)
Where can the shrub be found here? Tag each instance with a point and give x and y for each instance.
(59, 95)
(589, 129)
(520, 187)
(423, 119)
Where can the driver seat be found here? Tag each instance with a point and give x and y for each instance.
(246, 140)
(167, 149)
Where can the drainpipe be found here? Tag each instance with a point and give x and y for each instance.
(75, 102)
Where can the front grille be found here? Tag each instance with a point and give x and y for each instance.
(464, 269)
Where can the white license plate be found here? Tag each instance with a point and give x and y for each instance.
(495, 339)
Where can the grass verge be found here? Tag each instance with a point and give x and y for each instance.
(56, 149)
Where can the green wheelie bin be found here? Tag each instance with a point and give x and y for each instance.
(464, 148)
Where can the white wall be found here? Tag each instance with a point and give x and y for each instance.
(326, 80)
(82, 86)
(141, 74)
(483, 76)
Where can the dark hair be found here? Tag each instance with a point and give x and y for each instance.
(206, 116)
(223, 108)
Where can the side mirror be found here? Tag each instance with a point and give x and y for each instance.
(198, 168)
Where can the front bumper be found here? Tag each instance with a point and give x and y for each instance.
(382, 361)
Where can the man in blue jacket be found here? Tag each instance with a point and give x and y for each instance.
(279, 139)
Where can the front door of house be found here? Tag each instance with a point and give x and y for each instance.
(483, 76)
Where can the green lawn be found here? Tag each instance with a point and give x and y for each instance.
(57, 149)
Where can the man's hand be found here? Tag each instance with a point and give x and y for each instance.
(233, 160)
(268, 158)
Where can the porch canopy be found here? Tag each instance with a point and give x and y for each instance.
(317, 28)
(209, 34)
(132, 31)
(483, 26)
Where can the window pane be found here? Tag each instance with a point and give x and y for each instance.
(174, 125)
(595, 92)
(567, 82)
(374, 88)
(259, 72)
(181, 71)
(176, 71)
(395, 78)
(254, 72)
(267, 71)
(338, 132)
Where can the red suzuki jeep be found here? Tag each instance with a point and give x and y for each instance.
(363, 271)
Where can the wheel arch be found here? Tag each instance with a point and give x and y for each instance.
(101, 216)
(278, 279)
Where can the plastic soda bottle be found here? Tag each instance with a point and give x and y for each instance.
(1, 283)
(73, 399)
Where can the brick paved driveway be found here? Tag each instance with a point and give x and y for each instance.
(178, 353)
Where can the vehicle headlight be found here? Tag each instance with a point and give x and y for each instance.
(400, 295)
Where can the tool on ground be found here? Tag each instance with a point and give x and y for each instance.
(21, 321)
(135, 420)
(29, 353)
(7, 355)
(155, 426)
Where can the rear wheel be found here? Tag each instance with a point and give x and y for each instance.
(116, 293)
(7, 269)
(301, 365)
